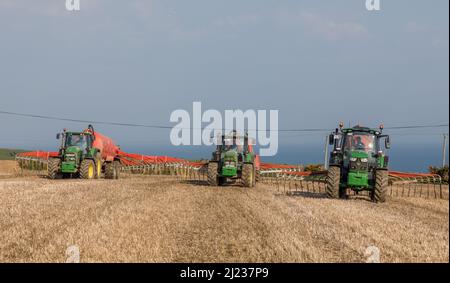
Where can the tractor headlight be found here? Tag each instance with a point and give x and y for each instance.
(365, 160)
(70, 157)
(353, 159)
(230, 163)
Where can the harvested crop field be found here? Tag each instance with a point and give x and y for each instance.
(7, 168)
(162, 219)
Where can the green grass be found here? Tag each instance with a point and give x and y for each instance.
(9, 154)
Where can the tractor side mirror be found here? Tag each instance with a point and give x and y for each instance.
(387, 143)
(58, 136)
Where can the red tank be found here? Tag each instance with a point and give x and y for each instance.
(108, 149)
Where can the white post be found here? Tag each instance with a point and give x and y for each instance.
(444, 148)
(326, 153)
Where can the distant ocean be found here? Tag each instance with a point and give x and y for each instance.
(406, 157)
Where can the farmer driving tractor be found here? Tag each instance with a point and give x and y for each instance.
(358, 143)
(362, 142)
(234, 144)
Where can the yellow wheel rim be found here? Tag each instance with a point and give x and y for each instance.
(91, 171)
(99, 168)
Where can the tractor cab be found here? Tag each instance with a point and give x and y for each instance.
(77, 141)
(230, 153)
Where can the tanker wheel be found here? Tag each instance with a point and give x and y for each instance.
(213, 179)
(333, 181)
(110, 171)
(117, 166)
(53, 166)
(381, 184)
(87, 169)
(248, 175)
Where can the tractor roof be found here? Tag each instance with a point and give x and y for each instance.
(361, 129)
(77, 133)
(233, 136)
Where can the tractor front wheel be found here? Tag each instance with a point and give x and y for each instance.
(381, 184)
(333, 181)
(53, 166)
(248, 175)
(87, 169)
(213, 179)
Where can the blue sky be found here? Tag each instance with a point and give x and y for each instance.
(317, 62)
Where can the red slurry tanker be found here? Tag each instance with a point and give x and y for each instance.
(108, 150)
(85, 154)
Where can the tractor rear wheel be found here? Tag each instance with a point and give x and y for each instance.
(213, 179)
(248, 175)
(381, 184)
(333, 182)
(53, 167)
(87, 169)
(110, 171)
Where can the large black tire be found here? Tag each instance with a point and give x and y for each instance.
(110, 170)
(118, 166)
(381, 184)
(87, 169)
(248, 175)
(213, 179)
(333, 181)
(53, 167)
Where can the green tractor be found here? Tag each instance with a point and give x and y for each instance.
(86, 155)
(233, 159)
(357, 162)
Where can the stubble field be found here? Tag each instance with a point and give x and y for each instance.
(162, 219)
